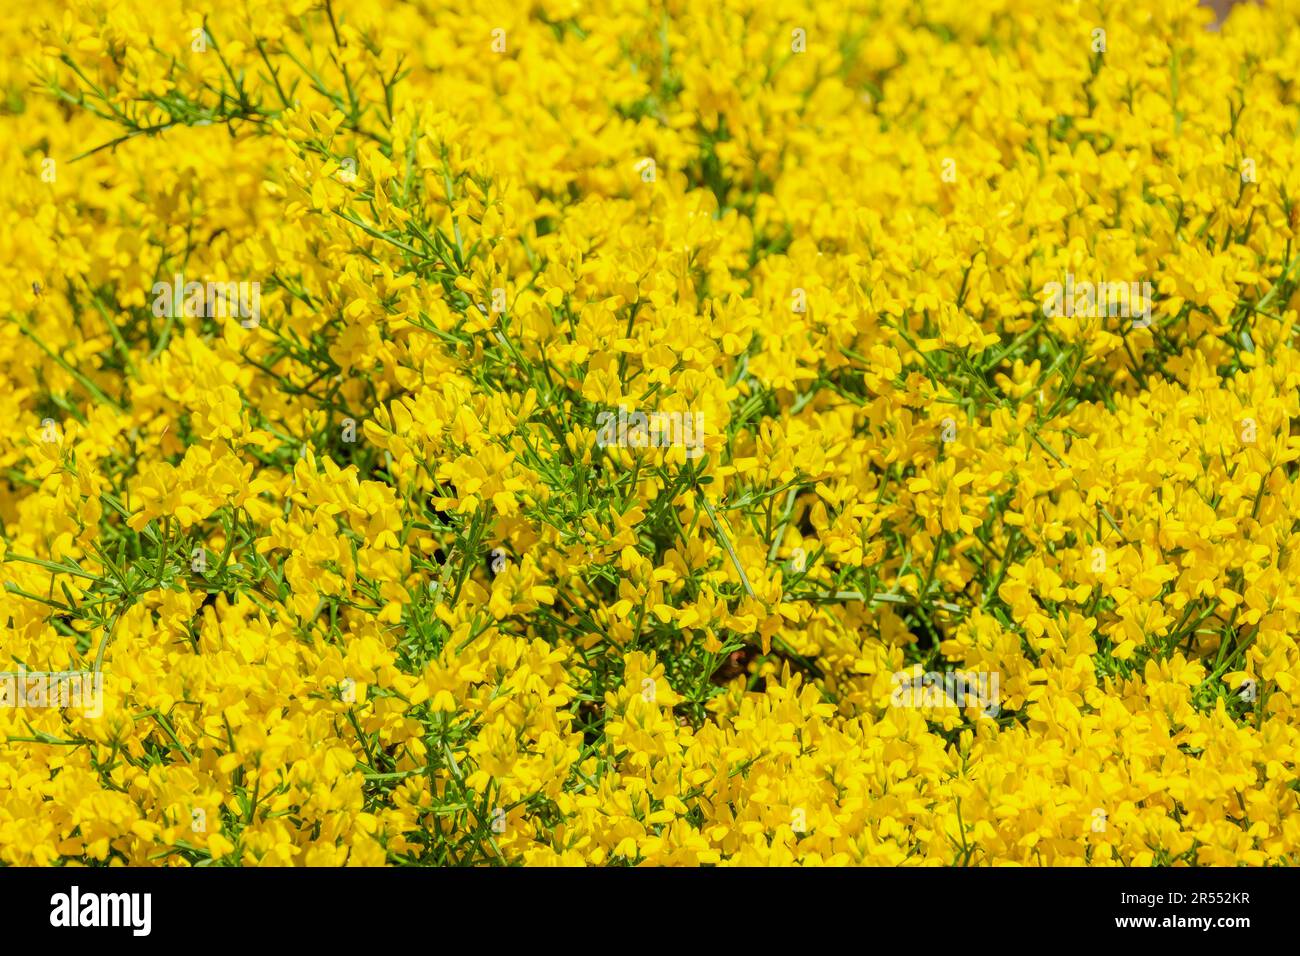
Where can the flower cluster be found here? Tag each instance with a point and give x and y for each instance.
(372, 572)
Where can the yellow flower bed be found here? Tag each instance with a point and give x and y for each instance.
(650, 433)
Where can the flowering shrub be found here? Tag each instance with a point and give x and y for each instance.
(566, 433)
